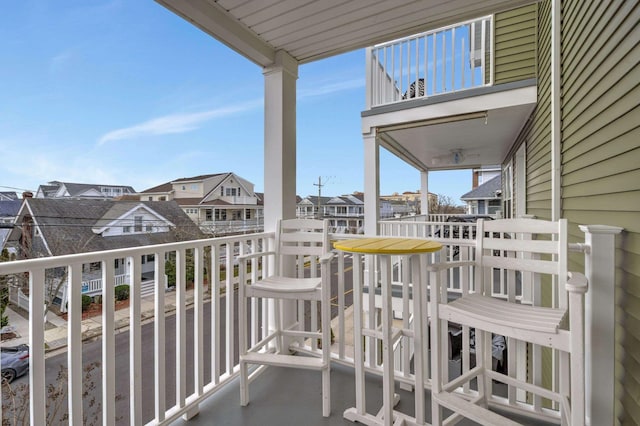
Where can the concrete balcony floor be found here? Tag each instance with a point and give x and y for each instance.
(288, 396)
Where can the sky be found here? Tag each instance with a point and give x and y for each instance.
(127, 93)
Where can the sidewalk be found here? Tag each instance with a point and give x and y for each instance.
(55, 337)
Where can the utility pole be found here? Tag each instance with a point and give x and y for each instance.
(320, 185)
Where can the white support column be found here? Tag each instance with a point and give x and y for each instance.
(600, 306)
(280, 139)
(424, 193)
(371, 183)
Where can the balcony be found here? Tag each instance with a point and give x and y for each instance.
(433, 63)
(177, 355)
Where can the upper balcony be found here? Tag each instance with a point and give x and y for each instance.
(457, 96)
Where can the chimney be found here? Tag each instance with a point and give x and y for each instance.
(27, 194)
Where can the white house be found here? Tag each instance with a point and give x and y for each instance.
(221, 203)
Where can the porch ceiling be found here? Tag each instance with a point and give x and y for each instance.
(482, 129)
(313, 29)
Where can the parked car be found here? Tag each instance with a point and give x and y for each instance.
(14, 361)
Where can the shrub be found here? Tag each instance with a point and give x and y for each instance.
(86, 301)
(122, 292)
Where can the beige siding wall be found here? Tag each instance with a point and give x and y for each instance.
(515, 45)
(601, 157)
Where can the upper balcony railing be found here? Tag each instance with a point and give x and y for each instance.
(449, 59)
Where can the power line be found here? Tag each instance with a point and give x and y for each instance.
(17, 189)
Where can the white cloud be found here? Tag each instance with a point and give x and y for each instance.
(176, 123)
(331, 87)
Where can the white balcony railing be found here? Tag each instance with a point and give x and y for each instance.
(450, 59)
(217, 331)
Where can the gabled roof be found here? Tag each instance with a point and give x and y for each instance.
(346, 199)
(66, 225)
(8, 195)
(313, 199)
(198, 178)
(121, 210)
(222, 179)
(79, 189)
(163, 187)
(485, 191)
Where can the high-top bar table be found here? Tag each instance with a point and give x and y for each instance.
(383, 248)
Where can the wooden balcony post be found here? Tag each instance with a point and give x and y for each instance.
(600, 323)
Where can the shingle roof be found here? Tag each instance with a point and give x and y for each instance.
(201, 177)
(485, 191)
(9, 208)
(8, 195)
(76, 189)
(67, 225)
(164, 187)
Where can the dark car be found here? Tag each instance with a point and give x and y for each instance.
(14, 361)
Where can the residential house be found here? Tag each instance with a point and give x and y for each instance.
(345, 214)
(484, 174)
(486, 198)
(309, 206)
(221, 203)
(8, 195)
(56, 227)
(9, 206)
(56, 189)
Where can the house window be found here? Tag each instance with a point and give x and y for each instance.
(247, 214)
(232, 192)
(149, 228)
(221, 215)
(137, 227)
(126, 229)
(150, 198)
(163, 198)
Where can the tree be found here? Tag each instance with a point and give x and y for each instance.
(4, 290)
(444, 204)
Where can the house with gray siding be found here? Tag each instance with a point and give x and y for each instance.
(486, 198)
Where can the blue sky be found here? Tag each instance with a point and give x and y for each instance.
(126, 92)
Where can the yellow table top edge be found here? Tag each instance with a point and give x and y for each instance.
(388, 245)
